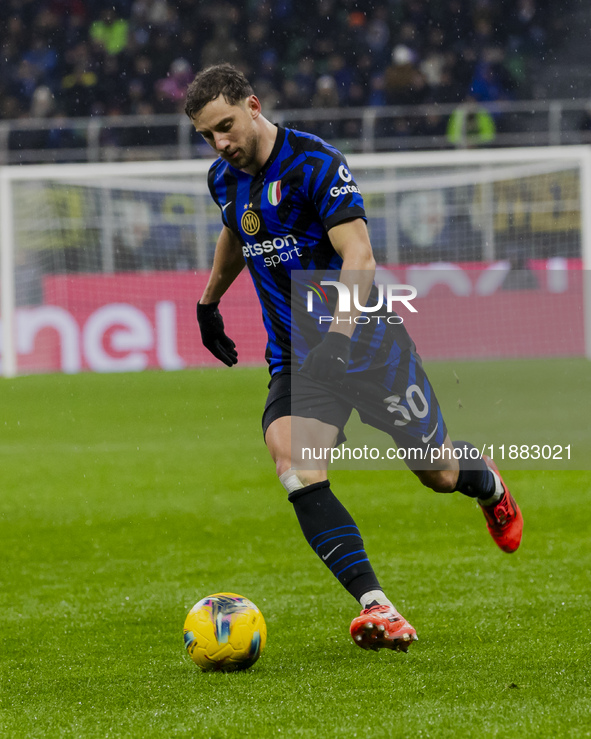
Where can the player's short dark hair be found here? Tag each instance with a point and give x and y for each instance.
(210, 83)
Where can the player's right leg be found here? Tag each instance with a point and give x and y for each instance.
(333, 535)
(327, 525)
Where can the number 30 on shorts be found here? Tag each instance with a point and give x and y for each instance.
(416, 402)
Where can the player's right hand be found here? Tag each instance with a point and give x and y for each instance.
(213, 335)
(329, 360)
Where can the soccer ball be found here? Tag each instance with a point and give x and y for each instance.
(225, 632)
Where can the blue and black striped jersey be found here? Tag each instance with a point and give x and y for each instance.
(282, 216)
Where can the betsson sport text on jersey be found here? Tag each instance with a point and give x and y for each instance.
(276, 244)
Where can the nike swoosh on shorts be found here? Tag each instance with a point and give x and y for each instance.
(431, 435)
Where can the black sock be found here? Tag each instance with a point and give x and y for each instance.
(333, 535)
(475, 479)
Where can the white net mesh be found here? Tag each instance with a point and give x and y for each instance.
(109, 260)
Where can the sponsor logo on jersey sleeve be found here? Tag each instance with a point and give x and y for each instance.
(344, 174)
(347, 189)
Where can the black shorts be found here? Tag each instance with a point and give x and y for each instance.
(397, 399)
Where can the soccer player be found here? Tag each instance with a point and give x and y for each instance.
(288, 203)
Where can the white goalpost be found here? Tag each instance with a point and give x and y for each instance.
(101, 264)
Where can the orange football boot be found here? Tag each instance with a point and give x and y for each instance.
(382, 627)
(503, 519)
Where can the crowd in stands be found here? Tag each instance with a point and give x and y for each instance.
(95, 58)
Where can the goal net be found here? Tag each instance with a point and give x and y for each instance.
(101, 265)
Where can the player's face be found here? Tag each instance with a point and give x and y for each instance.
(230, 129)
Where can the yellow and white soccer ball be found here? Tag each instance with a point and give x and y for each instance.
(225, 632)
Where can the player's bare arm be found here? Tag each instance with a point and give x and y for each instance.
(350, 240)
(330, 359)
(228, 262)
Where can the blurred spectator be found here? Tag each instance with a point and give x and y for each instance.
(378, 37)
(526, 28)
(112, 88)
(449, 90)
(149, 13)
(433, 62)
(326, 96)
(141, 79)
(109, 33)
(10, 108)
(43, 103)
(68, 9)
(461, 66)
(79, 90)
(377, 91)
(305, 77)
(42, 106)
(75, 31)
(399, 75)
(171, 91)
(470, 125)
(42, 59)
(24, 83)
(404, 83)
(491, 81)
(342, 75)
(291, 96)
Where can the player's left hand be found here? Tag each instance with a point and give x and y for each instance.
(329, 360)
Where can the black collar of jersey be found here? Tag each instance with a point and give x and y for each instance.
(281, 133)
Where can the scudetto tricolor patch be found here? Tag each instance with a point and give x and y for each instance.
(274, 192)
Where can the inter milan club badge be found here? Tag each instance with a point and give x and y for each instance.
(274, 192)
(250, 222)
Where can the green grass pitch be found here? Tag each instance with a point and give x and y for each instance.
(127, 498)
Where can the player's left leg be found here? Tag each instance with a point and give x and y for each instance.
(502, 514)
(477, 477)
(400, 400)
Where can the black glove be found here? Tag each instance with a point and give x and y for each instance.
(329, 360)
(213, 336)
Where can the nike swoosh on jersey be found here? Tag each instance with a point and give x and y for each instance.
(431, 435)
(325, 557)
(226, 205)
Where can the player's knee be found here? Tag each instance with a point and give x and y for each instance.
(440, 481)
(293, 480)
(290, 478)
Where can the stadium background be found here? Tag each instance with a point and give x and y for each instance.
(107, 81)
(68, 59)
